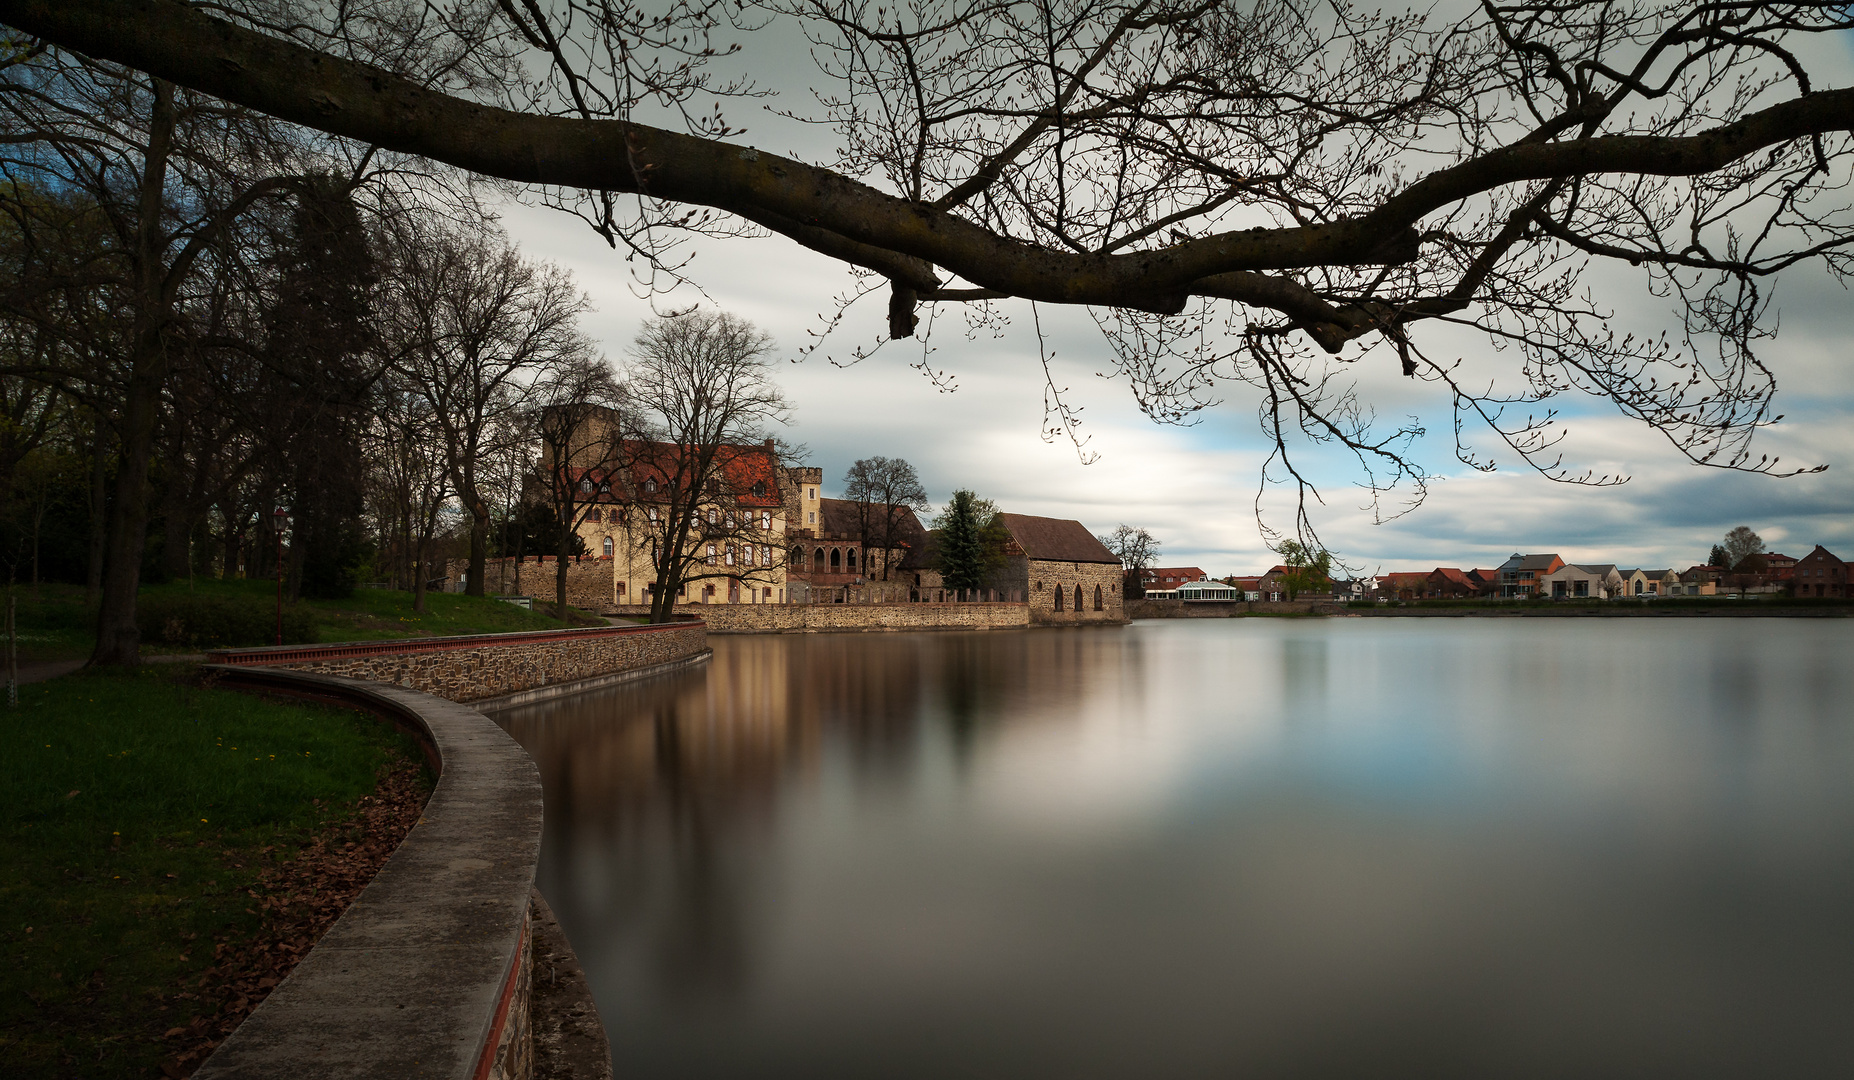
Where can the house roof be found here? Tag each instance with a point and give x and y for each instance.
(739, 469)
(1452, 574)
(1530, 562)
(842, 518)
(1056, 539)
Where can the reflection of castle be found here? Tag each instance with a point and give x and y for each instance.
(664, 796)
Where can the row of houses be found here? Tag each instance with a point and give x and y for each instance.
(1821, 573)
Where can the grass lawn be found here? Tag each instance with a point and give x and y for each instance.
(136, 810)
(54, 624)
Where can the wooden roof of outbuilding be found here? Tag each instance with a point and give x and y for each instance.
(1056, 539)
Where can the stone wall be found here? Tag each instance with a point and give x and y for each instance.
(1221, 609)
(837, 618)
(487, 665)
(590, 581)
(1045, 577)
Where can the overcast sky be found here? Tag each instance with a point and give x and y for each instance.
(1195, 488)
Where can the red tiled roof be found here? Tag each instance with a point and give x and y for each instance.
(739, 468)
(1454, 575)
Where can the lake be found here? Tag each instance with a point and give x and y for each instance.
(1217, 848)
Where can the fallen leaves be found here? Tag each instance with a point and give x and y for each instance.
(300, 898)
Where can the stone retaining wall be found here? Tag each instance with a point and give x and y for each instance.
(837, 618)
(427, 973)
(487, 665)
(1224, 609)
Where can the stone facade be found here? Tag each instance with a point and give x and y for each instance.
(590, 581)
(1089, 591)
(488, 665)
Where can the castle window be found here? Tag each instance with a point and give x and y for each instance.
(766, 520)
(817, 561)
(836, 559)
(852, 559)
(608, 546)
(1097, 598)
(730, 555)
(653, 515)
(711, 554)
(1060, 593)
(593, 515)
(766, 554)
(1078, 599)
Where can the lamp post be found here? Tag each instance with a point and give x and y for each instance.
(280, 520)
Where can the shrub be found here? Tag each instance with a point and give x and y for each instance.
(208, 621)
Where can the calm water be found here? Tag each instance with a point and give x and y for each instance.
(1255, 848)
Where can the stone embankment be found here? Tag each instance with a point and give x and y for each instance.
(852, 618)
(1224, 609)
(427, 973)
(482, 666)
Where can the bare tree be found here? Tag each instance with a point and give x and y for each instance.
(483, 325)
(582, 432)
(1742, 544)
(1136, 549)
(884, 490)
(705, 474)
(1242, 191)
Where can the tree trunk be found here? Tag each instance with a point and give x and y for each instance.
(118, 641)
(99, 522)
(479, 545)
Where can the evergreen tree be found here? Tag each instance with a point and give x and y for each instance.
(971, 541)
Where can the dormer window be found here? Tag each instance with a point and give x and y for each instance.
(605, 489)
(650, 486)
(585, 486)
(760, 489)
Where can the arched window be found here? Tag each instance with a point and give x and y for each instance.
(1097, 598)
(836, 559)
(1078, 598)
(1059, 595)
(608, 546)
(817, 559)
(852, 559)
(796, 557)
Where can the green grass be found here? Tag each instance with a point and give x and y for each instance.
(132, 813)
(54, 624)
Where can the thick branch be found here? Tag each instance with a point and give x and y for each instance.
(815, 206)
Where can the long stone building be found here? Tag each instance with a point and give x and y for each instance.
(1067, 575)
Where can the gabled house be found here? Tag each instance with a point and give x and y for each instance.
(1519, 575)
(1402, 585)
(1486, 582)
(1650, 583)
(1447, 583)
(1821, 574)
(1572, 581)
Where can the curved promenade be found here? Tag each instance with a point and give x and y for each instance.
(426, 974)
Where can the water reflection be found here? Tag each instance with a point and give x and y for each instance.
(1342, 848)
